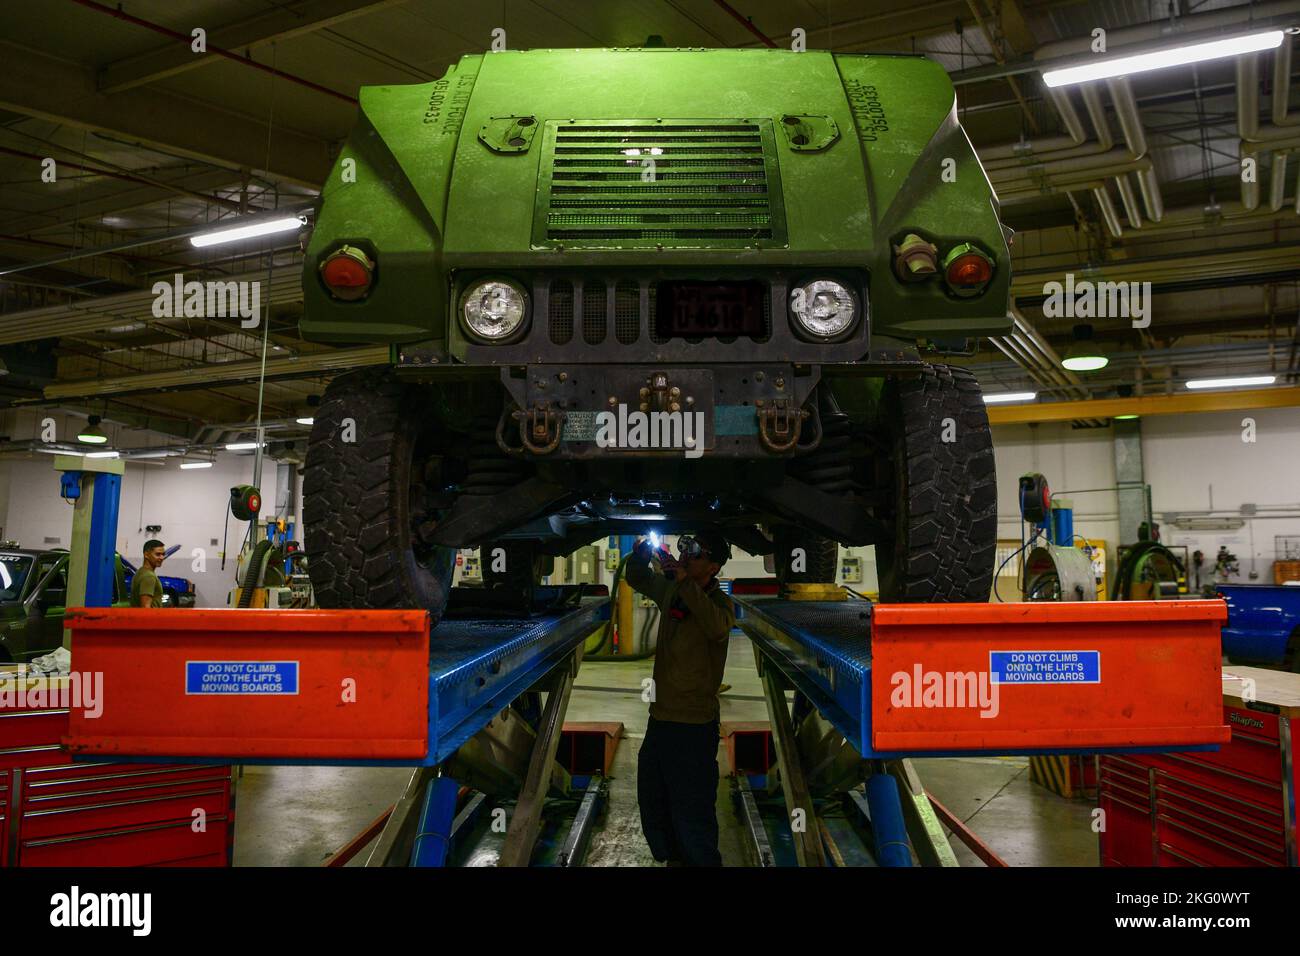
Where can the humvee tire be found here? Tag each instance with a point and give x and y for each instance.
(821, 556)
(524, 568)
(365, 506)
(944, 508)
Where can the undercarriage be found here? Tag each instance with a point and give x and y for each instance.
(401, 474)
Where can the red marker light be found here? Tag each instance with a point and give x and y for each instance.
(347, 273)
(967, 270)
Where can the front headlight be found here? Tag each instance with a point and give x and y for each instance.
(824, 308)
(494, 309)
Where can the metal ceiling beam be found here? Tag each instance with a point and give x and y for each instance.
(42, 86)
(272, 27)
(301, 366)
(109, 199)
(128, 307)
(1179, 403)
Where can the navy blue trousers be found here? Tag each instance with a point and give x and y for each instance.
(677, 789)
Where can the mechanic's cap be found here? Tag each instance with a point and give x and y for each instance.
(716, 545)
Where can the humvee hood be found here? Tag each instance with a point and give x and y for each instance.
(767, 150)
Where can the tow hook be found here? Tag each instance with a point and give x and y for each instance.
(540, 427)
(779, 425)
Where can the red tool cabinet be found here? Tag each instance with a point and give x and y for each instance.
(1233, 807)
(54, 812)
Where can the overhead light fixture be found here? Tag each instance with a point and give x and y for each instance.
(1232, 382)
(242, 446)
(1002, 397)
(4, 369)
(306, 421)
(1159, 59)
(92, 434)
(1124, 418)
(101, 454)
(251, 231)
(186, 465)
(1084, 355)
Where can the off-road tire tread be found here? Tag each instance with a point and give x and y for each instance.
(822, 556)
(353, 499)
(949, 507)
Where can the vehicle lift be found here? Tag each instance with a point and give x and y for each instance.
(461, 704)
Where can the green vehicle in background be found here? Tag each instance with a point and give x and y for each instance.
(33, 595)
(778, 247)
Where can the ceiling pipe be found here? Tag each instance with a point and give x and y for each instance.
(1281, 97)
(1185, 28)
(1023, 354)
(1097, 115)
(1028, 336)
(1084, 179)
(1129, 199)
(1096, 165)
(1060, 98)
(1108, 214)
(1130, 124)
(1248, 122)
(746, 23)
(1277, 182)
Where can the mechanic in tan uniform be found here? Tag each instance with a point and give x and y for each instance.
(677, 767)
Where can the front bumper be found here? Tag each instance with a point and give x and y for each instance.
(574, 411)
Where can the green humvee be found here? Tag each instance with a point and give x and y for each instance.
(33, 592)
(655, 288)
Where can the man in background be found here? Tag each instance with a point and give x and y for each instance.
(677, 767)
(146, 589)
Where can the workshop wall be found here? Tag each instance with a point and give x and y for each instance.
(1194, 464)
(189, 505)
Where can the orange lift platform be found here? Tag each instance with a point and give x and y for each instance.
(462, 704)
(877, 684)
(874, 684)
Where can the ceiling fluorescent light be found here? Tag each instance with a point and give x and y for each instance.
(196, 464)
(1159, 59)
(241, 446)
(100, 454)
(1232, 382)
(251, 231)
(999, 398)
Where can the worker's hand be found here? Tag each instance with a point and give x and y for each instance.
(667, 562)
(643, 549)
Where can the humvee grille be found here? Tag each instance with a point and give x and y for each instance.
(630, 183)
(624, 311)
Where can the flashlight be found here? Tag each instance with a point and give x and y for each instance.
(654, 540)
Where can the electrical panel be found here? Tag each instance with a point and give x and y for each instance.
(851, 570)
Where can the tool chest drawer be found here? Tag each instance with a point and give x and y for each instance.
(111, 797)
(54, 812)
(1232, 807)
(157, 844)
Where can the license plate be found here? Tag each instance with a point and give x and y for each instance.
(709, 309)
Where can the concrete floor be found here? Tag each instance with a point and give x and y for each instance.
(298, 816)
